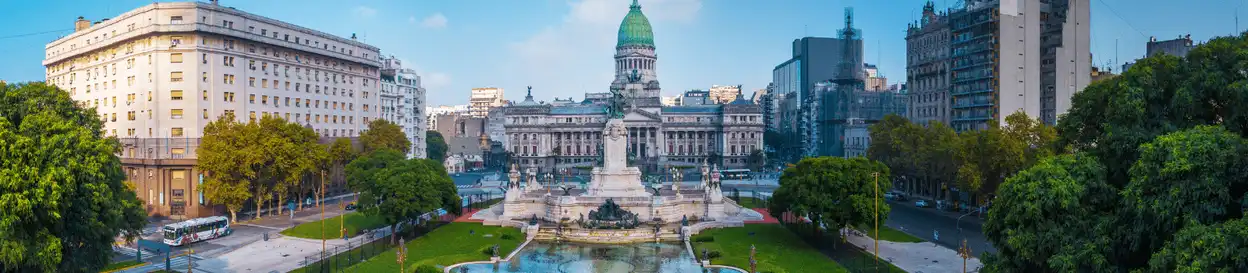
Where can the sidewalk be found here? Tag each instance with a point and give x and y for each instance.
(917, 257)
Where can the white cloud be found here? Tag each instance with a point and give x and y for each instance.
(436, 21)
(363, 11)
(573, 57)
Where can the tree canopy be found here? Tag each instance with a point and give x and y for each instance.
(399, 189)
(1170, 136)
(63, 199)
(435, 146)
(383, 134)
(833, 191)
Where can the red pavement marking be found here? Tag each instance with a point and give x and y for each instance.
(468, 214)
(767, 219)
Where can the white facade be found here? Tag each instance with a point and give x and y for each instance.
(482, 99)
(402, 101)
(723, 94)
(167, 69)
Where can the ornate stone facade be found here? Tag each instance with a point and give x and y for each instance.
(549, 137)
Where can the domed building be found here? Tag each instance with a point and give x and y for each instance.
(552, 138)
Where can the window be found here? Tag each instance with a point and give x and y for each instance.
(177, 151)
(175, 20)
(175, 76)
(175, 95)
(175, 58)
(251, 81)
(175, 131)
(175, 113)
(175, 40)
(205, 94)
(205, 113)
(130, 116)
(205, 56)
(251, 98)
(205, 76)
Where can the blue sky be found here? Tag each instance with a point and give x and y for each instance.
(563, 47)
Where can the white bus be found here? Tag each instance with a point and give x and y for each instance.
(195, 230)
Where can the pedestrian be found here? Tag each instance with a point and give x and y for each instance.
(936, 235)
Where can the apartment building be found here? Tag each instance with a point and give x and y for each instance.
(158, 74)
(403, 102)
(723, 94)
(482, 99)
(1017, 55)
(927, 66)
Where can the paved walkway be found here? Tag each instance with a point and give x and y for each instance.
(467, 216)
(767, 219)
(922, 257)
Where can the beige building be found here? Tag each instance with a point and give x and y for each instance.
(723, 94)
(482, 99)
(159, 73)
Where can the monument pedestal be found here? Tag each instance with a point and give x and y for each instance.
(617, 183)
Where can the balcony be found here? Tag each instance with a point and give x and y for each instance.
(973, 104)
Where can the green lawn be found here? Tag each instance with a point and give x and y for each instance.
(447, 245)
(355, 222)
(119, 265)
(862, 261)
(751, 203)
(777, 249)
(890, 234)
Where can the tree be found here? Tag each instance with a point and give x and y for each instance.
(290, 152)
(1195, 176)
(399, 190)
(1037, 139)
(1047, 218)
(986, 158)
(832, 191)
(228, 152)
(435, 146)
(1221, 248)
(383, 134)
(937, 153)
(757, 160)
(62, 196)
(361, 171)
(895, 141)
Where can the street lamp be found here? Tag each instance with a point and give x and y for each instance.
(965, 252)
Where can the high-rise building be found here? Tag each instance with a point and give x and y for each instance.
(723, 94)
(1017, 55)
(874, 81)
(927, 66)
(159, 73)
(1176, 47)
(814, 60)
(403, 102)
(482, 99)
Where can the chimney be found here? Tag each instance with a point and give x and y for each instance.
(81, 24)
(353, 38)
(214, 2)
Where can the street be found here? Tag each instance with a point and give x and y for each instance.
(921, 222)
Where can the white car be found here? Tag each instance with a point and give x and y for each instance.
(921, 204)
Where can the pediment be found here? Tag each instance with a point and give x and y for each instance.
(641, 116)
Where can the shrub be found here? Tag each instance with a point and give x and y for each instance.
(424, 268)
(703, 238)
(507, 236)
(713, 254)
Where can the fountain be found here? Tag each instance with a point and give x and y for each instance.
(608, 235)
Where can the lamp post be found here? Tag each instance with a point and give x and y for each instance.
(401, 256)
(877, 220)
(322, 205)
(965, 252)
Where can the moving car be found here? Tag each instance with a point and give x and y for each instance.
(921, 203)
(350, 206)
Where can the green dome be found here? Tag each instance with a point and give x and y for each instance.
(635, 29)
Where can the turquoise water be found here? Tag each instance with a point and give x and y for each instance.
(542, 257)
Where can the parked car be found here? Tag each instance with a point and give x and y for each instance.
(921, 203)
(350, 206)
(890, 196)
(898, 196)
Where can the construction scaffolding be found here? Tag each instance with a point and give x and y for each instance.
(835, 103)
